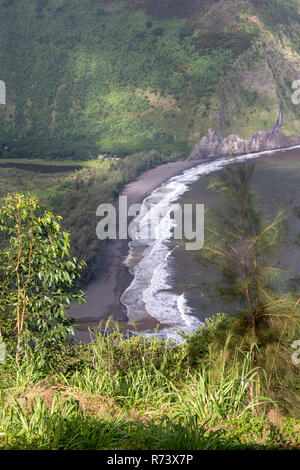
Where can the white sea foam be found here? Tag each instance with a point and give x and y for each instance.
(150, 292)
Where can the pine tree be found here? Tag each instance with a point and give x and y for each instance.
(245, 247)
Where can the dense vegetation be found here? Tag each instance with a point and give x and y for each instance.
(230, 385)
(122, 77)
(143, 78)
(140, 80)
(37, 276)
(120, 393)
(76, 194)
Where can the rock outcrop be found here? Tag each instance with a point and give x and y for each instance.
(212, 145)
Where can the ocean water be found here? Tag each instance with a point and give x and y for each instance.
(168, 284)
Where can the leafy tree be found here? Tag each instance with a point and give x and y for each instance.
(37, 274)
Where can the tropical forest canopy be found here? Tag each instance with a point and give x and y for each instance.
(121, 77)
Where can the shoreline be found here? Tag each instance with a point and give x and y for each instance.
(104, 292)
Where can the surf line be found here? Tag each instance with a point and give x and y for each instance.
(150, 293)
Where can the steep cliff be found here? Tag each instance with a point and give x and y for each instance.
(212, 145)
(123, 76)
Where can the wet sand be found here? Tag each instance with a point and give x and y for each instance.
(103, 294)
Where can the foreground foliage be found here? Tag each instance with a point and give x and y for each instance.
(36, 277)
(127, 391)
(120, 393)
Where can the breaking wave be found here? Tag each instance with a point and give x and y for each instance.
(150, 292)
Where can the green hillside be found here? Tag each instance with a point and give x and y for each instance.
(120, 77)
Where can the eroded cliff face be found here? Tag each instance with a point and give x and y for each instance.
(123, 77)
(212, 145)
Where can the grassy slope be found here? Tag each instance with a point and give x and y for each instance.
(135, 395)
(128, 76)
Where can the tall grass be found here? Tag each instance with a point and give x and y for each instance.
(180, 403)
(142, 388)
(89, 380)
(135, 389)
(213, 397)
(62, 426)
(175, 434)
(137, 373)
(20, 375)
(132, 371)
